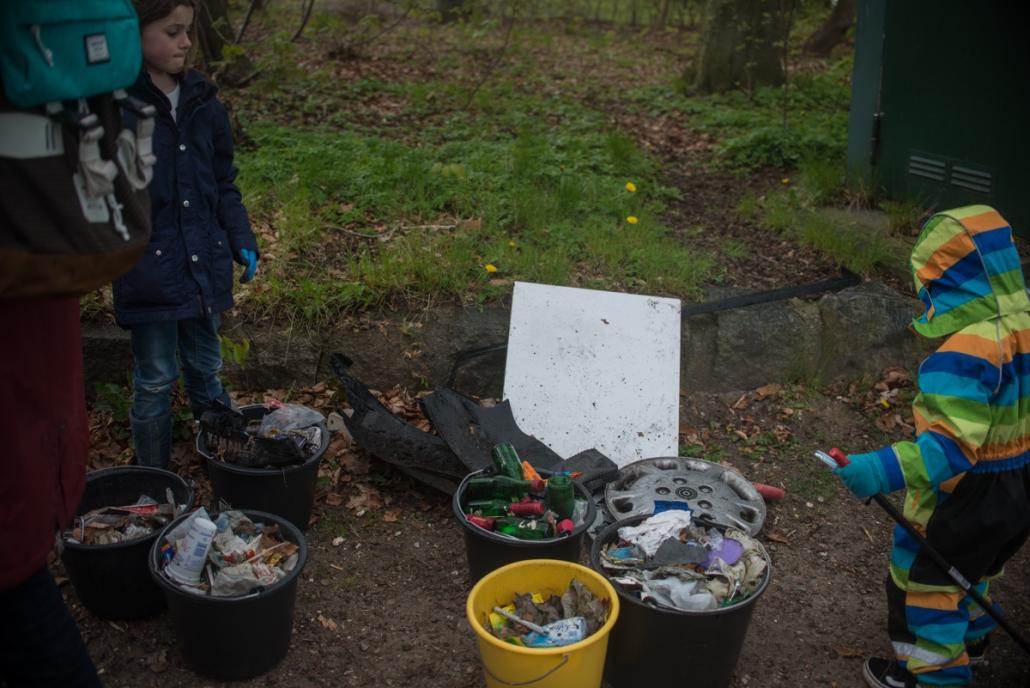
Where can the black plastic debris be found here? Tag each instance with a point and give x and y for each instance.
(468, 434)
(288, 435)
(424, 456)
(472, 431)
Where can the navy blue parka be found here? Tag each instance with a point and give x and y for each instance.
(200, 223)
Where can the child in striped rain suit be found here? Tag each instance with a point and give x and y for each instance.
(967, 474)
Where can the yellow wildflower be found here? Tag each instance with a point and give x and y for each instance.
(631, 187)
(632, 219)
(490, 267)
(785, 180)
(511, 244)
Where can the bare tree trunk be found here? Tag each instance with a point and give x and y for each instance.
(663, 14)
(303, 21)
(451, 10)
(212, 30)
(834, 29)
(740, 45)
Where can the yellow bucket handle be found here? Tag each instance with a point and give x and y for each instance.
(559, 665)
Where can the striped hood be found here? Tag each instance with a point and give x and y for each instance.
(966, 270)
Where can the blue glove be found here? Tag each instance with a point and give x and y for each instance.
(864, 475)
(250, 260)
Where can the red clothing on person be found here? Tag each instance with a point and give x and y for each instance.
(43, 430)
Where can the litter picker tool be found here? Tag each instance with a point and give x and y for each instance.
(837, 458)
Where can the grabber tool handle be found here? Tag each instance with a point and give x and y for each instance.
(839, 456)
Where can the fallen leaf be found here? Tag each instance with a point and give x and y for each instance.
(776, 537)
(334, 499)
(742, 403)
(843, 651)
(327, 622)
(356, 463)
(767, 391)
(158, 662)
(368, 498)
(392, 515)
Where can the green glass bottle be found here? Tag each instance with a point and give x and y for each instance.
(488, 507)
(524, 528)
(507, 461)
(502, 487)
(561, 497)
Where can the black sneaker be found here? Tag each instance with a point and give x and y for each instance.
(977, 651)
(887, 673)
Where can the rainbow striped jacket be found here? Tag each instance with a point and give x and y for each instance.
(972, 413)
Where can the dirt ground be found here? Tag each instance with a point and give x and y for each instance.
(381, 599)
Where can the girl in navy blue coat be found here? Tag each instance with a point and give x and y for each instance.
(172, 299)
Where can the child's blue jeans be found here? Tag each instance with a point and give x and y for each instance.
(160, 350)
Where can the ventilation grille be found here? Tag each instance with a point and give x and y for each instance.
(974, 180)
(938, 171)
(925, 167)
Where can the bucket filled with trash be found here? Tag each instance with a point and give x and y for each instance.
(544, 623)
(122, 511)
(510, 512)
(230, 581)
(687, 592)
(264, 457)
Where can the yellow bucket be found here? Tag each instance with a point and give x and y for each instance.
(579, 665)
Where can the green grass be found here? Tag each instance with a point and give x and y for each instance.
(792, 212)
(812, 483)
(392, 173)
(749, 127)
(545, 207)
(905, 217)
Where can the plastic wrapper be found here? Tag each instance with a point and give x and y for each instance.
(287, 418)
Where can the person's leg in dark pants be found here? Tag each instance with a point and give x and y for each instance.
(201, 354)
(155, 373)
(40, 645)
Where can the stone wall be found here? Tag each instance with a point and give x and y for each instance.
(847, 333)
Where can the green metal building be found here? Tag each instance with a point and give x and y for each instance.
(940, 110)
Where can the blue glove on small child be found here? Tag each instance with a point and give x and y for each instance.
(250, 260)
(864, 476)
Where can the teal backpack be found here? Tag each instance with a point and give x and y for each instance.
(55, 50)
(74, 213)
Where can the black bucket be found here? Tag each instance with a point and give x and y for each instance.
(487, 551)
(233, 638)
(112, 581)
(288, 492)
(666, 647)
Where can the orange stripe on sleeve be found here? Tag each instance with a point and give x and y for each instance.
(975, 345)
(950, 252)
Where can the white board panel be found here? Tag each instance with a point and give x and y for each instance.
(600, 369)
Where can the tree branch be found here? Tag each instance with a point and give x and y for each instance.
(304, 21)
(493, 65)
(246, 21)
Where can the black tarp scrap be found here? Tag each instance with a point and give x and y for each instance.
(468, 433)
(424, 456)
(472, 431)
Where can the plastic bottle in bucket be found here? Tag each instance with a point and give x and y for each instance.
(189, 559)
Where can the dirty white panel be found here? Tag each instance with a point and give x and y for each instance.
(597, 369)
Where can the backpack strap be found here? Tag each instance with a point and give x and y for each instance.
(136, 151)
(27, 135)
